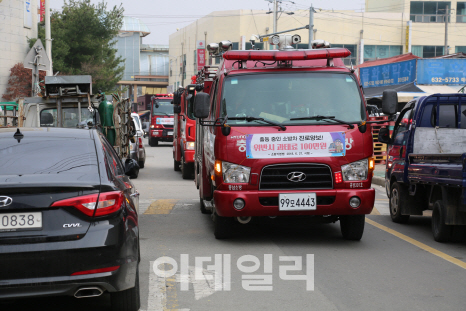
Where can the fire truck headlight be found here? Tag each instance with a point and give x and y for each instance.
(189, 145)
(152, 126)
(355, 171)
(234, 173)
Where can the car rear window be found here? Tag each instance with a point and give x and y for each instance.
(46, 155)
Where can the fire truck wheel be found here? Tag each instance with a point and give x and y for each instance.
(441, 231)
(398, 197)
(186, 169)
(352, 226)
(176, 165)
(223, 227)
(153, 142)
(203, 209)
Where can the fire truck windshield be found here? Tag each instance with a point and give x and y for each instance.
(162, 108)
(291, 98)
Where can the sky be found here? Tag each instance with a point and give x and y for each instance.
(163, 17)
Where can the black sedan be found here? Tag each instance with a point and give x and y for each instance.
(68, 217)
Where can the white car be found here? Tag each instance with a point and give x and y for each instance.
(138, 151)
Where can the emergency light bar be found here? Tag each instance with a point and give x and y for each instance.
(287, 55)
(163, 95)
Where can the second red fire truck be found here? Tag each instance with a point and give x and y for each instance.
(161, 119)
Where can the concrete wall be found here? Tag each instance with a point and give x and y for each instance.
(13, 36)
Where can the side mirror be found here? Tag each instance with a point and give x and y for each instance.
(131, 168)
(389, 102)
(176, 98)
(176, 109)
(384, 135)
(201, 105)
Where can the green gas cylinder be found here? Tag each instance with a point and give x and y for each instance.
(106, 119)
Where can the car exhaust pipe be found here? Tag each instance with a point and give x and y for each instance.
(244, 220)
(87, 292)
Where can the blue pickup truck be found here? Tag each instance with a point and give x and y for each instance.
(426, 162)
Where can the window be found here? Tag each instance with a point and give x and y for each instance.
(461, 12)
(111, 158)
(70, 117)
(427, 51)
(460, 49)
(402, 127)
(291, 98)
(372, 52)
(428, 11)
(448, 115)
(352, 58)
(162, 108)
(235, 46)
(48, 155)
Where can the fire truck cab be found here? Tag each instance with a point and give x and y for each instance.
(284, 133)
(161, 119)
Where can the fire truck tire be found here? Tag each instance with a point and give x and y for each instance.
(176, 165)
(440, 231)
(223, 227)
(203, 209)
(153, 142)
(399, 196)
(352, 226)
(186, 169)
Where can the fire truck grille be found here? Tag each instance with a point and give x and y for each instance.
(168, 126)
(296, 177)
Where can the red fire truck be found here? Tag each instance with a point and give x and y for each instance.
(161, 121)
(284, 133)
(184, 131)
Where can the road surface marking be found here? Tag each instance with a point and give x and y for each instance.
(159, 207)
(375, 211)
(423, 246)
(157, 300)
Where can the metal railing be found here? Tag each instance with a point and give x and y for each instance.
(4, 118)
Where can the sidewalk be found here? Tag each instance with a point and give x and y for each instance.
(379, 175)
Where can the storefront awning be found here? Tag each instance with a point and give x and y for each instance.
(435, 89)
(406, 92)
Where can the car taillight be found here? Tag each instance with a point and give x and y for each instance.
(140, 143)
(107, 203)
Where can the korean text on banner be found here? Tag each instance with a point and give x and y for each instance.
(389, 74)
(200, 47)
(296, 145)
(42, 10)
(165, 121)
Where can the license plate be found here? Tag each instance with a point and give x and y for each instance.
(297, 201)
(170, 133)
(20, 221)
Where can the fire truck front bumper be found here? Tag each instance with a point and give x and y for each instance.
(266, 203)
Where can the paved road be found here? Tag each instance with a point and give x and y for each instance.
(393, 267)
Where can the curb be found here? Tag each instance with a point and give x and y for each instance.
(378, 181)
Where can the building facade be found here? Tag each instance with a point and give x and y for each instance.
(18, 22)
(386, 28)
(146, 65)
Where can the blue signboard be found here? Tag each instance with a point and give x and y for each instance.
(389, 74)
(441, 71)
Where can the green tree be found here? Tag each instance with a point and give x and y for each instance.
(83, 37)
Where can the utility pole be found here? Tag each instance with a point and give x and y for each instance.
(48, 37)
(447, 16)
(311, 26)
(275, 15)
